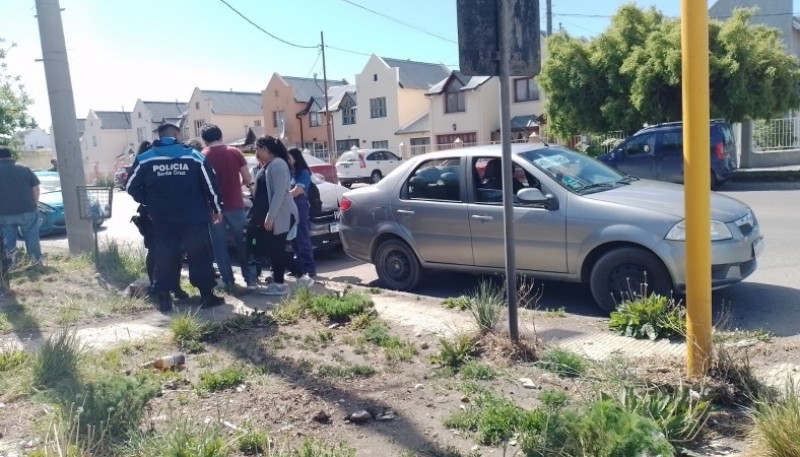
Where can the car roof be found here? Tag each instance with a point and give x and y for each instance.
(489, 149)
(676, 124)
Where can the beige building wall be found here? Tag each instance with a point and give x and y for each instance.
(199, 112)
(101, 148)
(141, 122)
(377, 80)
(279, 96)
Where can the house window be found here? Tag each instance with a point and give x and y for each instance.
(277, 93)
(455, 102)
(198, 125)
(525, 90)
(448, 141)
(383, 144)
(140, 134)
(314, 119)
(375, 77)
(94, 141)
(196, 105)
(257, 123)
(348, 116)
(277, 118)
(377, 107)
(345, 145)
(140, 115)
(420, 145)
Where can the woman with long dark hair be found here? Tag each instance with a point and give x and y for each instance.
(274, 212)
(301, 244)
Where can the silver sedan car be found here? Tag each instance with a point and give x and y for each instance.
(576, 220)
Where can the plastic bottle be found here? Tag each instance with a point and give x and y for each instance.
(169, 362)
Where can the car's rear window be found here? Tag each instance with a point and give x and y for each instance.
(349, 157)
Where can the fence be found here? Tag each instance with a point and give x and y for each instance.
(776, 134)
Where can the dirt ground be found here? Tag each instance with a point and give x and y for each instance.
(297, 384)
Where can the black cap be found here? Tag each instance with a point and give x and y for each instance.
(165, 125)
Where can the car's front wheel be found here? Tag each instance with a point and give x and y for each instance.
(620, 273)
(397, 265)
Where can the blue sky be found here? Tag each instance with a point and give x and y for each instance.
(161, 49)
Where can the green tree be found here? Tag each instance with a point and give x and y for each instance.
(630, 75)
(14, 102)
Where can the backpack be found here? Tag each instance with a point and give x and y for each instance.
(315, 200)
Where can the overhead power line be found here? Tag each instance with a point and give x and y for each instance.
(609, 16)
(266, 32)
(409, 25)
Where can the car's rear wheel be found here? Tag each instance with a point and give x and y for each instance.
(621, 272)
(376, 176)
(397, 265)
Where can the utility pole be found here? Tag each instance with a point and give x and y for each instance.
(65, 129)
(328, 122)
(549, 14)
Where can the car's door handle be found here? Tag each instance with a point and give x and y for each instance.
(405, 212)
(482, 218)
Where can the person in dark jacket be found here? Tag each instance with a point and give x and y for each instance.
(180, 192)
(301, 244)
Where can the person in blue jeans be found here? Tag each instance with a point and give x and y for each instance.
(301, 244)
(19, 212)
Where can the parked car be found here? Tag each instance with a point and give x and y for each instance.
(321, 167)
(51, 205)
(121, 177)
(656, 152)
(325, 227)
(365, 165)
(576, 220)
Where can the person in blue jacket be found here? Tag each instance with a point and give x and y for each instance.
(180, 192)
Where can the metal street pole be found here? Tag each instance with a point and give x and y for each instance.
(65, 129)
(328, 123)
(504, 58)
(697, 197)
(549, 13)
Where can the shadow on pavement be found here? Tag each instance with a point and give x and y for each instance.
(757, 306)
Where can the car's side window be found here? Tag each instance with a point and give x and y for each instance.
(390, 155)
(374, 156)
(438, 179)
(672, 143)
(640, 145)
(488, 178)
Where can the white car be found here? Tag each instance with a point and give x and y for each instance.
(365, 165)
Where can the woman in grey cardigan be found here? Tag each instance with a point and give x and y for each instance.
(275, 178)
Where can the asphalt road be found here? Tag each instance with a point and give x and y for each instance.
(769, 299)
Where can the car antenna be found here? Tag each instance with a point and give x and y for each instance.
(535, 136)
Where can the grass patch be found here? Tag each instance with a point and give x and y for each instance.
(477, 371)
(736, 335)
(121, 263)
(355, 371)
(362, 320)
(454, 352)
(460, 303)
(288, 312)
(553, 399)
(649, 316)
(563, 362)
(56, 361)
(180, 439)
(487, 305)
(555, 312)
(189, 331)
(12, 359)
(777, 424)
(339, 307)
(253, 442)
(220, 380)
(679, 415)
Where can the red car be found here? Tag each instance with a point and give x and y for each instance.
(327, 170)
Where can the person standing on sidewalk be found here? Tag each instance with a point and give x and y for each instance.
(301, 244)
(231, 169)
(179, 189)
(19, 212)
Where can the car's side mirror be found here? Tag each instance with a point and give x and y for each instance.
(534, 196)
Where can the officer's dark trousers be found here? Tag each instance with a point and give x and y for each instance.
(170, 240)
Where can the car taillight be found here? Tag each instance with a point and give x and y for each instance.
(720, 151)
(345, 204)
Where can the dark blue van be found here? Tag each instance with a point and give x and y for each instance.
(656, 152)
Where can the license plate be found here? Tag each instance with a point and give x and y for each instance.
(345, 165)
(758, 247)
(334, 227)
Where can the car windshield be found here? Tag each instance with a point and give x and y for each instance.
(348, 157)
(576, 172)
(49, 184)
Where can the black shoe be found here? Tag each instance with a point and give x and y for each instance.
(210, 300)
(180, 294)
(164, 301)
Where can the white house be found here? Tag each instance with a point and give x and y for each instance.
(34, 139)
(147, 116)
(107, 142)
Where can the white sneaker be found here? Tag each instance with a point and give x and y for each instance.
(275, 289)
(305, 281)
(252, 286)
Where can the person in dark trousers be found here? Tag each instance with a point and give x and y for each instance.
(145, 226)
(230, 166)
(19, 196)
(301, 244)
(180, 192)
(274, 212)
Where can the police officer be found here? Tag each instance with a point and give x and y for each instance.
(180, 191)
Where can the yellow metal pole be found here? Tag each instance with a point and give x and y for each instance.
(697, 200)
